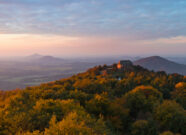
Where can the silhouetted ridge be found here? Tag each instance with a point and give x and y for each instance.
(34, 56)
(158, 63)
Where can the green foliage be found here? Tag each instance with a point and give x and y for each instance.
(168, 133)
(142, 99)
(75, 124)
(179, 94)
(118, 117)
(171, 116)
(98, 105)
(143, 127)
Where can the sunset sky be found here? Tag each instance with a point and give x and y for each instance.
(93, 27)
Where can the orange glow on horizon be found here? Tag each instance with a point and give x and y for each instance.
(23, 44)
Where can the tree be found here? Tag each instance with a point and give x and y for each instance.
(42, 113)
(179, 94)
(98, 105)
(77, 123)
(171, 116)
(142, 99)
(143, 127)
(168, 133)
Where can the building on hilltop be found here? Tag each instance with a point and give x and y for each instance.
(124, 64)
(107, 70)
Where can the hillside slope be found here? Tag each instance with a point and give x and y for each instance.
(102, 101)
(158, 63)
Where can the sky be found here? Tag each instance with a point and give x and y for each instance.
(93, 27)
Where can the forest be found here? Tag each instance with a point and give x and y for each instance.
(104, 100)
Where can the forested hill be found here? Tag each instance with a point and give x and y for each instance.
(104, 100)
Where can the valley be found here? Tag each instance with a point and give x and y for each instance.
(37, 69)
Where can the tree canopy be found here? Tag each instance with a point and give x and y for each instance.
(101, 101)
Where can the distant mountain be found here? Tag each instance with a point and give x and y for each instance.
(158, 63)
(47, 60)
(50, 60)
(34, 57)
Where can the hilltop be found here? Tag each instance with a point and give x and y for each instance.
(34, 56)
(104, 100)
(158, 63)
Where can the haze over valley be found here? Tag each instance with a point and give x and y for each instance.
(36, 69)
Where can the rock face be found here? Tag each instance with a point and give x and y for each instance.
(124, 64)
(158, 63)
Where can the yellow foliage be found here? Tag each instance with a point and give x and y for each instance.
(97, 97)
(181, 85)
(73, 124)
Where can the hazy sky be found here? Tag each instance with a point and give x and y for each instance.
(93, 27)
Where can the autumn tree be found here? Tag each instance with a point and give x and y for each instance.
(143, 127)
(171, 116)
(141, 99)
(179, 94)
